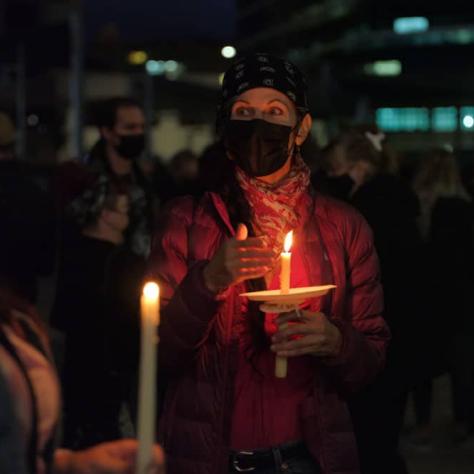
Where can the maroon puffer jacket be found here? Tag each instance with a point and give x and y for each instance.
(198, 344)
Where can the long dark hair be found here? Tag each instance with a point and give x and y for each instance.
(217, 174)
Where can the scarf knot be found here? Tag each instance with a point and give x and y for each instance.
(277, 208)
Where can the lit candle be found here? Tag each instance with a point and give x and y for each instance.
(286, 264)
(281, 363)
(150, 320)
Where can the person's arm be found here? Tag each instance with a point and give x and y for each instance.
(114, 457)
(188, 306)
(189, 290)
(12, 449)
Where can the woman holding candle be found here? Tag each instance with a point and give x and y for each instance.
(224, 410)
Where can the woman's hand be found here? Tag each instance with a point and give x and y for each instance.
(238, 259)
(315, 335)
(115, 457)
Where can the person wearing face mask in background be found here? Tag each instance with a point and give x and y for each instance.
(359, 156)
(224, 409)
(107, 213)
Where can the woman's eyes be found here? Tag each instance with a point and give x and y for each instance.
(273, 111)
(243, 112)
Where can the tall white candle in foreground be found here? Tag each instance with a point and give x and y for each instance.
(150, 320)
(281, 363)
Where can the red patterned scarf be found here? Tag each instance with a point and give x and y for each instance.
(278, 208)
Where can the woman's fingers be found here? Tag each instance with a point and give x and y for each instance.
(256, 242)
(301, 316)
(253, 274)
(237, 260)
(293, 330)
(308, 344)
(254, 253)
(308, 350)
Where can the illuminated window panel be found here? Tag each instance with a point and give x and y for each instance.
(408, 119)
(408, 25)
(444, 119)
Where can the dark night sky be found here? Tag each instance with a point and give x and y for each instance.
(147, 20)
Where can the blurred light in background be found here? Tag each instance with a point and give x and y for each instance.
(171, 69)
(464, 36)
(221, 78)
(155, 68)
(32, 120)
(137, 58)
(415, 24)
(468, 121)
(384, 68)
(171, 66)
(228, 52)
(466, 118)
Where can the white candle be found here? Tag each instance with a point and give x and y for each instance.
(281, 363)
(150, 320)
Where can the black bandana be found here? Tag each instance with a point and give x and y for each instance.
(264, 70)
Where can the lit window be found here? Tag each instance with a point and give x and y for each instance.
(409, 119)
(415, 24)
(444, 119)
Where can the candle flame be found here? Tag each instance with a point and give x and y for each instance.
(151, 290)
(288, 241)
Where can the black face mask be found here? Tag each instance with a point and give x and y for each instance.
(131, 146)
(258, 147)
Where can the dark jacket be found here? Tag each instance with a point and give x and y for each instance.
(198, 344)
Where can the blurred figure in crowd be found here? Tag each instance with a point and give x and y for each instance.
(362, 171)
(7, 138)
(162, 182)
(26, 218)
(107, 210)
(211, 155)
(184, 169)
(30, 402)
(467, 176)
(446, 224)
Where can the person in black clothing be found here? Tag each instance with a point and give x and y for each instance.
(26, 219)
(331, 177)
(107, 213)
(184, 169)
(359, 164)
(447, 226)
